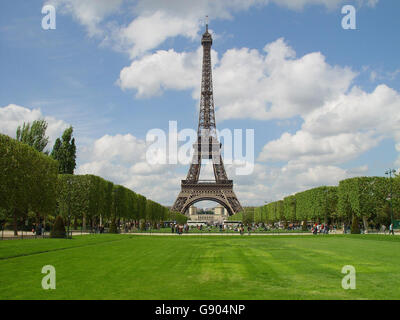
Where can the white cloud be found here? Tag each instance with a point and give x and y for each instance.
(125, 147)
(148, 32)
(269, 183)
(89, 13)
(122, 160)
(358, 110)
(273, 84)
(277, 84)
(154, 21)
(104, 168)
(12, 116)
(330, 4)
(341, 130)
(163, 70)
(305, 147)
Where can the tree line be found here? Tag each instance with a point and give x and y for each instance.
(36, 187)
(355, 201)
(90, 201)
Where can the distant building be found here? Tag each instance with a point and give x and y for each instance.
(213, 215)
(220, 210)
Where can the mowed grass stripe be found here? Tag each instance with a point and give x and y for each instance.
(172, 267)
(18, 248)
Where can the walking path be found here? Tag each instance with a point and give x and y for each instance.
(9, 234)
(216, 234)
(238, 234)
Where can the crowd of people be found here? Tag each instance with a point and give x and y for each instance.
(38, 229)
(384, 229)
(320, 228)
(186, 228)
(179, 228)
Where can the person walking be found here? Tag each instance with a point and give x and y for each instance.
(39, 229)
(391, 231)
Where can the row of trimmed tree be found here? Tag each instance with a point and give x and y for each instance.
(364, 200)
(91, 201)
(31, 188)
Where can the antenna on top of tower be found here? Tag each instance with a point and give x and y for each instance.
(206, 23)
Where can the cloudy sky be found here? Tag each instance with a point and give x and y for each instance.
(323, 101)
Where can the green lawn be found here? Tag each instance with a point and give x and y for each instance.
(201, 267)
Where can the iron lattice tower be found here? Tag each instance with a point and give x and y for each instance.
(207, 147)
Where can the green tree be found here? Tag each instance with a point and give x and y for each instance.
(363, 197)
(178, 217)
(317, 204)
(58, 230)
(44, 187)
(3, 217)
(271, 213)
(258, 215)
(289, 208)
(108, 200)
(236, 217)
(27, 180)
(120, 207)
(34, 135)
(64, 151)
(56, 152)
(248, 215)
(280, 213)
(355, 227)
(141, 203)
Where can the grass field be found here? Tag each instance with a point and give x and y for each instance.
(201, 267)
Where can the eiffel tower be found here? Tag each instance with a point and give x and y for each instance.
(207, 147)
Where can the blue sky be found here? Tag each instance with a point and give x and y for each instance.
(71, 75)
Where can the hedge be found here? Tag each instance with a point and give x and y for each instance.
(28, 180)
(360, 199)
(30, 183)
